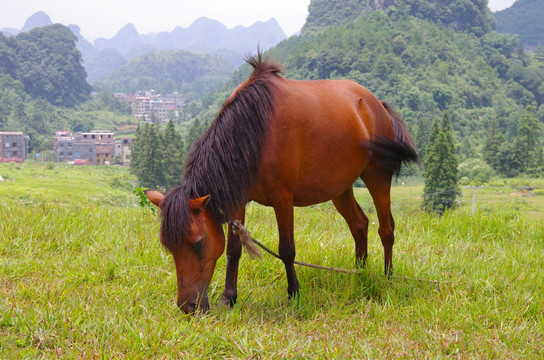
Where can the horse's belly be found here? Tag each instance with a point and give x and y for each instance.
(308, 183)
(309, 197)
(326, 186)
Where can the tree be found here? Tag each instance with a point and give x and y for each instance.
(7, 57)
(523, 153)
(172, 137)
(147, 157)
(510, 159)
(111, 103)
(135, 157)
(528, 140)
(474, 172)
(195, 131)
(422, 131)
(153, 173)
(157, 157)
(493, 143)
(441, 168)
(173, 154)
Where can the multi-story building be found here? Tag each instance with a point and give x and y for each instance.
(122, 148)
(93, 148)
(148, 104)
(13, 146)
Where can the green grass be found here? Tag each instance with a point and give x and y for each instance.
(502, 195)
(35, 182)
(83, 280)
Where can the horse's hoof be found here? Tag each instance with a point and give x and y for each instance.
(228, 301)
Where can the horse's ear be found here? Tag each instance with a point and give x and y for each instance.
(199, 204)
(154, 196)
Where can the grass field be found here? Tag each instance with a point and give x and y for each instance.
(82, 276)
(35, 182)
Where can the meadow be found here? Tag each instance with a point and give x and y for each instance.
(82, 275)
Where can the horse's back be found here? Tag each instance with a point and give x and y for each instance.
(334, 103)
(314, 147)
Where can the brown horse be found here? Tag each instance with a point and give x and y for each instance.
(281, 143)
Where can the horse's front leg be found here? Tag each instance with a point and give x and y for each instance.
(285, 218)
(234, 251)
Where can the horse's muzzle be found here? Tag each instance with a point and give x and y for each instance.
(192, 307)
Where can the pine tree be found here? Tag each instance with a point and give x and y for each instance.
(493, 143)
(171, 136)
(422, 132)
(153, 173)
(195, 131)
(528, 139)
(441, 168)
(148, 165)
(510, 159)
(172, 156)
(431, 169)
(157, 156)
(135, 151)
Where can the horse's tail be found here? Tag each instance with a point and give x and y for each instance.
(392, 153)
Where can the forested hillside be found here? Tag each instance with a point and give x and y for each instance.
(467, 16)
(424, 65)
(192, 74)
(524, 18)
(47, 63)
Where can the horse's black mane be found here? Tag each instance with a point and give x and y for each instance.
(223, 163)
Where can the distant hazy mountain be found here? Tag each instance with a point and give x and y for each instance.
(39, 19)
(123, 41)
(9, 31)
(204, 36)
(524, 18)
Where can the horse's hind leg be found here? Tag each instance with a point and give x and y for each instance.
(234, 251)
(283, 207)
(379, 186)
(357, 221)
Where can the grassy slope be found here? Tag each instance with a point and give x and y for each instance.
(61, 183)
(93, 281)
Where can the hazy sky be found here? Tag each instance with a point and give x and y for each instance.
(104, 18)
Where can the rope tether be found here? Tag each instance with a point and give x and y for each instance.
(249, 242)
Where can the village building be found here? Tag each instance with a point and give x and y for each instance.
(147, 105)
(122, 148)
(92, 148)
(13, 146)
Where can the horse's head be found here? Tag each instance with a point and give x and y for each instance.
(195, 251)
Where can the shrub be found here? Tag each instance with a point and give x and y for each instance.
(475, 172)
